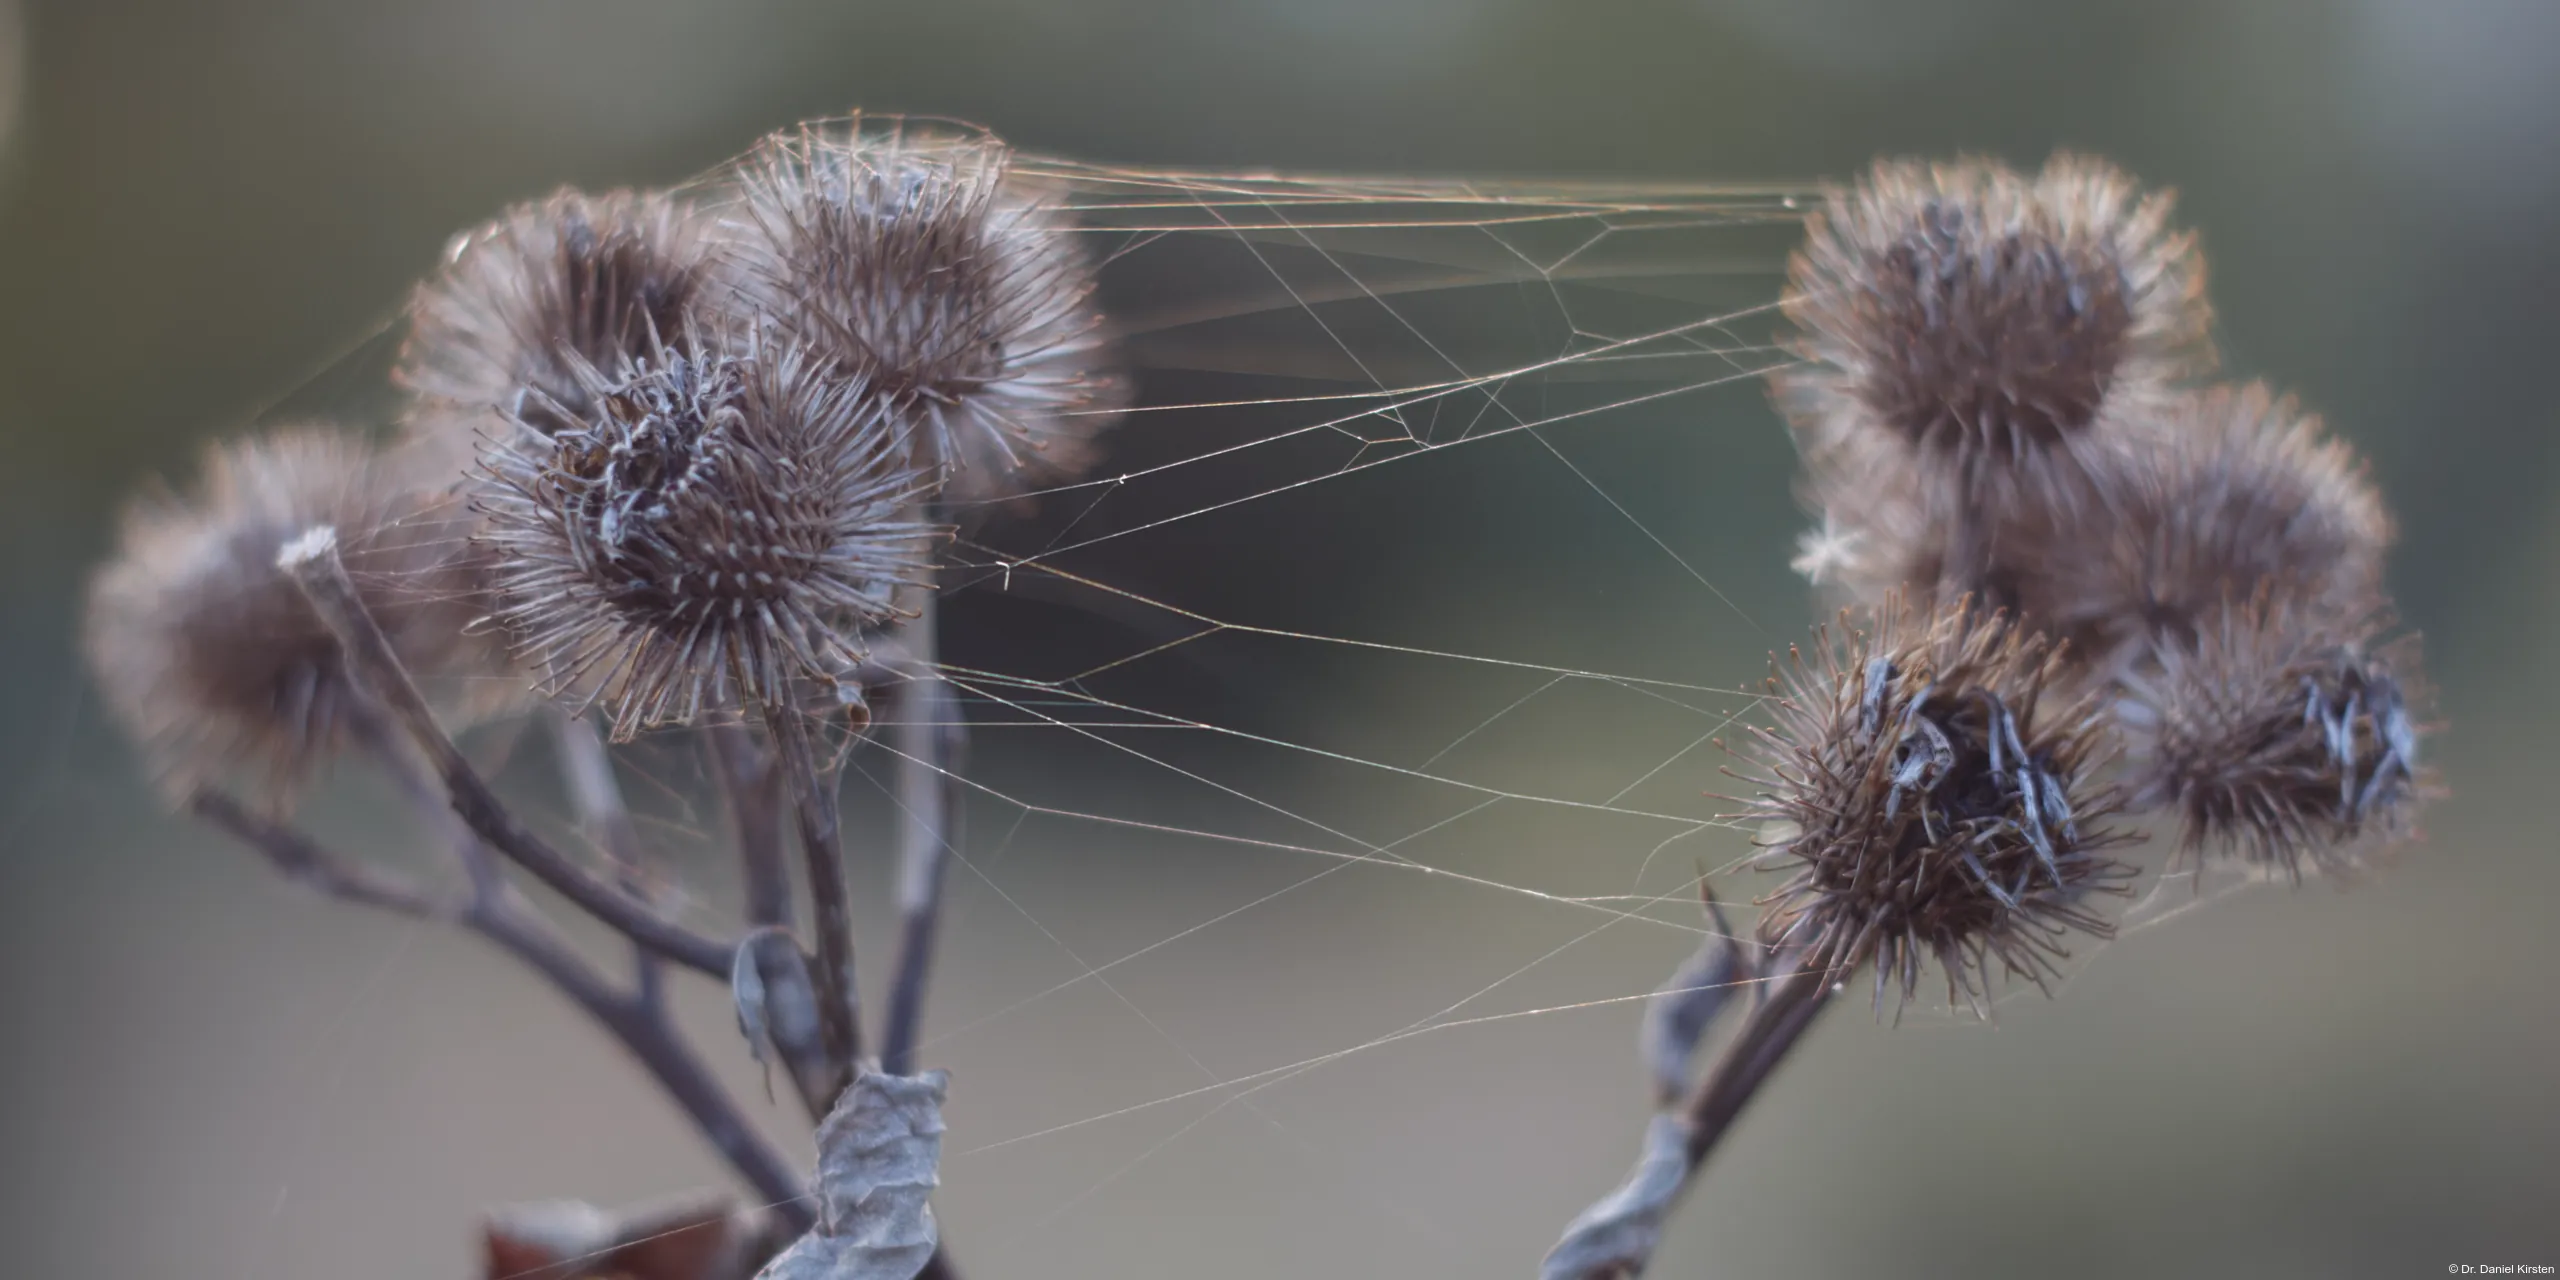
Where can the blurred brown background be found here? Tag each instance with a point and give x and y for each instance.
(204, 201)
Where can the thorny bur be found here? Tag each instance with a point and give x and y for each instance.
(922, 266)
(1933, 797)
(2284, 734)
(1984, 317)
(699, 528)
(548, 287)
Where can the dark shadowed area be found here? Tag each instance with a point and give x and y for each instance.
(206, 204)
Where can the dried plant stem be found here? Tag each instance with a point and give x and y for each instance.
(588, 770)
(928, 736)
(499, 914)
(753, 792)
(1614, 1239)
(1798, 992)
(299, 860)
(813, 796)
(312, 562)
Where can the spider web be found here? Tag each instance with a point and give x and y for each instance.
(1289, 913)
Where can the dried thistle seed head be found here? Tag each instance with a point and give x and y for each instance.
(1932, 801)
(1984, 317)
(2231, 493)
(2284, 735)
(210, 656)
(713, 527)
(923, 266)
(551, 285)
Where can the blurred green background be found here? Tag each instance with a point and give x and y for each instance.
(203, 202)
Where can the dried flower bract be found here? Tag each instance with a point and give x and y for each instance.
(2286, 737)
(712, 527)
(916, 260)
(1932, 802)
(213, 660)
(1984, 317)
(551, 285)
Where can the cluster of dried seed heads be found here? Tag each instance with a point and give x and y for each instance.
(1997, 409)
(679, 449)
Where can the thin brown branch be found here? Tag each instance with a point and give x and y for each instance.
(1615, 1238)
(642, 1024)
(1800, 990)
(753, 792)
(305, 863)
(813, 795)
(312, 562)
(597, 794)
(928, 736)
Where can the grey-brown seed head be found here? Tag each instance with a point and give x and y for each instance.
(212, 659)
(921, 264)
(549, 286)
(2228, 494)
(1933, 803)
(1984, 317)
(714, 527)
(2285, 736)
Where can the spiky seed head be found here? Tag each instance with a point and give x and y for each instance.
(1983, 317)
(212, 659)
(2284, 735)
(1932, 801)
(713, 526)
(549, 286)
(2228, 494)
(919, 262)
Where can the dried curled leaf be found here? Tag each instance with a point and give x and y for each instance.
(879, 1154)
(777, 1004)
(1615, 1237)
(1682, 1009)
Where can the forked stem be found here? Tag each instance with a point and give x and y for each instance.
(312, 562)
(499, 914)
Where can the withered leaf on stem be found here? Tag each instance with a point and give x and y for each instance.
(1682, 1010)
(1615, 1237)
(879, 1158)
